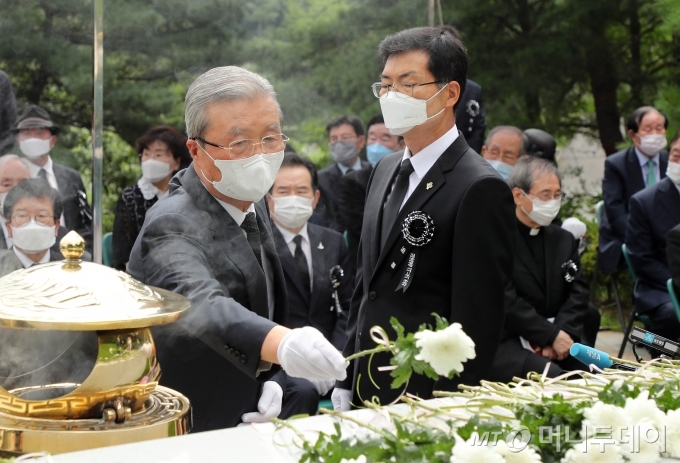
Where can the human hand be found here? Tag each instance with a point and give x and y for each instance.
(341, 399)
(269, 405)
(323, 385)
(561, 345)
(549, 353)
(305, 353)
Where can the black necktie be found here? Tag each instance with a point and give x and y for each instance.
(301, 262)
(253, 234)
(42, 173)
(394, 200)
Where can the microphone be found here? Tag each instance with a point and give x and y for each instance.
(591, 356)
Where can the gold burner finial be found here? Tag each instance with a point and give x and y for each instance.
(72, 246)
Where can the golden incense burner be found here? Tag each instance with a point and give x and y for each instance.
(120, 401)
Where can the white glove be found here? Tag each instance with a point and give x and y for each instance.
(269, 405)
(341, 399)
(575, 226)
(305, 353)
(323, 385)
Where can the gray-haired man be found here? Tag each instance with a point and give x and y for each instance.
(210, 240)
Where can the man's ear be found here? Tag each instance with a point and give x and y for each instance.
(270, 202)
(9, 228)
(453, 89)
(361, 141)
(317, 195)
(53, 141)
(57, 224)
(193, 148)
(517, 195)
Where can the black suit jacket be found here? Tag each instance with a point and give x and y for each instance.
(654, 211)
(329, 203)
(353, 188)
(77, 211)
(318, 309)
(461, 273)
(470, 116)
(622, 179)
(529, 304)
(190, 245)
(673, 253)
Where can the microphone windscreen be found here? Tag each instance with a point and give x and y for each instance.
(588, 355)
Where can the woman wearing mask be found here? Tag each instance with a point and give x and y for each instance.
(162, 153)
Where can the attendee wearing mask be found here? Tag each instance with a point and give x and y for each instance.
(13, 170)
(162, 152)
(503, 146)
(625, 173)
(312, 259)
(37, 135)
(211, 241)
(547, 300)
(353, 185)
(434, 212)
(345, 141)
(654, 212)
(32, 209)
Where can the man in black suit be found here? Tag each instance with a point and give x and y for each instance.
(470, 116)
(8, 114)
(37, 135)
(345, 140)
(654, 212)
(627, 172)
(673, 252)
(547, 301)
(210, 240)
(438, 181)
(380, 143)
(309, 254)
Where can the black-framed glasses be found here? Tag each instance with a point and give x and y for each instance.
(245, 148)
(19, 220)
(403, 90)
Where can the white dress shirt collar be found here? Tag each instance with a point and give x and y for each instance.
(344, 169)
(27, 261)
(643, 159)
(237, 214)
(426, 158)
(35, 168)
(288, 236)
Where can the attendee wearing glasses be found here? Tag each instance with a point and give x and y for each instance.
(162, 153)
(547, 300)
(434, 213)
(211, 240)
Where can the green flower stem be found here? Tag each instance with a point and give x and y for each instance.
(375, 350)
(356, 421)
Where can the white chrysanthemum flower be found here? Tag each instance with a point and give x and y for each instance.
(642, 409)
(445, 350)
(641, 443)
(594, 451)
(474, 451)
(603, 419)
(361, 459)
(526, 455)
(671, 429)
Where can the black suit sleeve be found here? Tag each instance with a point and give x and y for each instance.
(476, 137)
(352, 202)
(640, 246)
(573, 310)
(523, 320)
(673, 252)
(173, 250)
(614, 199)
(122, 232)
(482, 263)
(339, 333)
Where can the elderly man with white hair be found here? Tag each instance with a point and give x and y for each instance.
(210, 240)
(13, 169)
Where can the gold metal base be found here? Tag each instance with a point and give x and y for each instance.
(166, 413)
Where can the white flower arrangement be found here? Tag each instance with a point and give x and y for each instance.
(445, 350)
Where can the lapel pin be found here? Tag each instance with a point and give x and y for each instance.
(403, 249)
(320, 246)
(393, 265)
(429, 185)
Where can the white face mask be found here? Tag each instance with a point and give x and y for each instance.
(155, 171)
(403, 112)
(292, 211)
(673, 172)
(652, 144)
(33, 237)
(543, 212)
(33, 148)
(247, 179)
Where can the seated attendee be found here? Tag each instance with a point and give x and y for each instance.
(32, 209)
(653, 212)
(13, 170)
(345, 140)
(353, 186)
(37, 136)
(673, 253)
(547, 300)
(503, 146)
(627, 172)
(162, 152)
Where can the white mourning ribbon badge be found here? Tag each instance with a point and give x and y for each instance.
(570, 271)
(417, 230)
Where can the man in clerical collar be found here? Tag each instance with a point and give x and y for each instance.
(547, 300)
